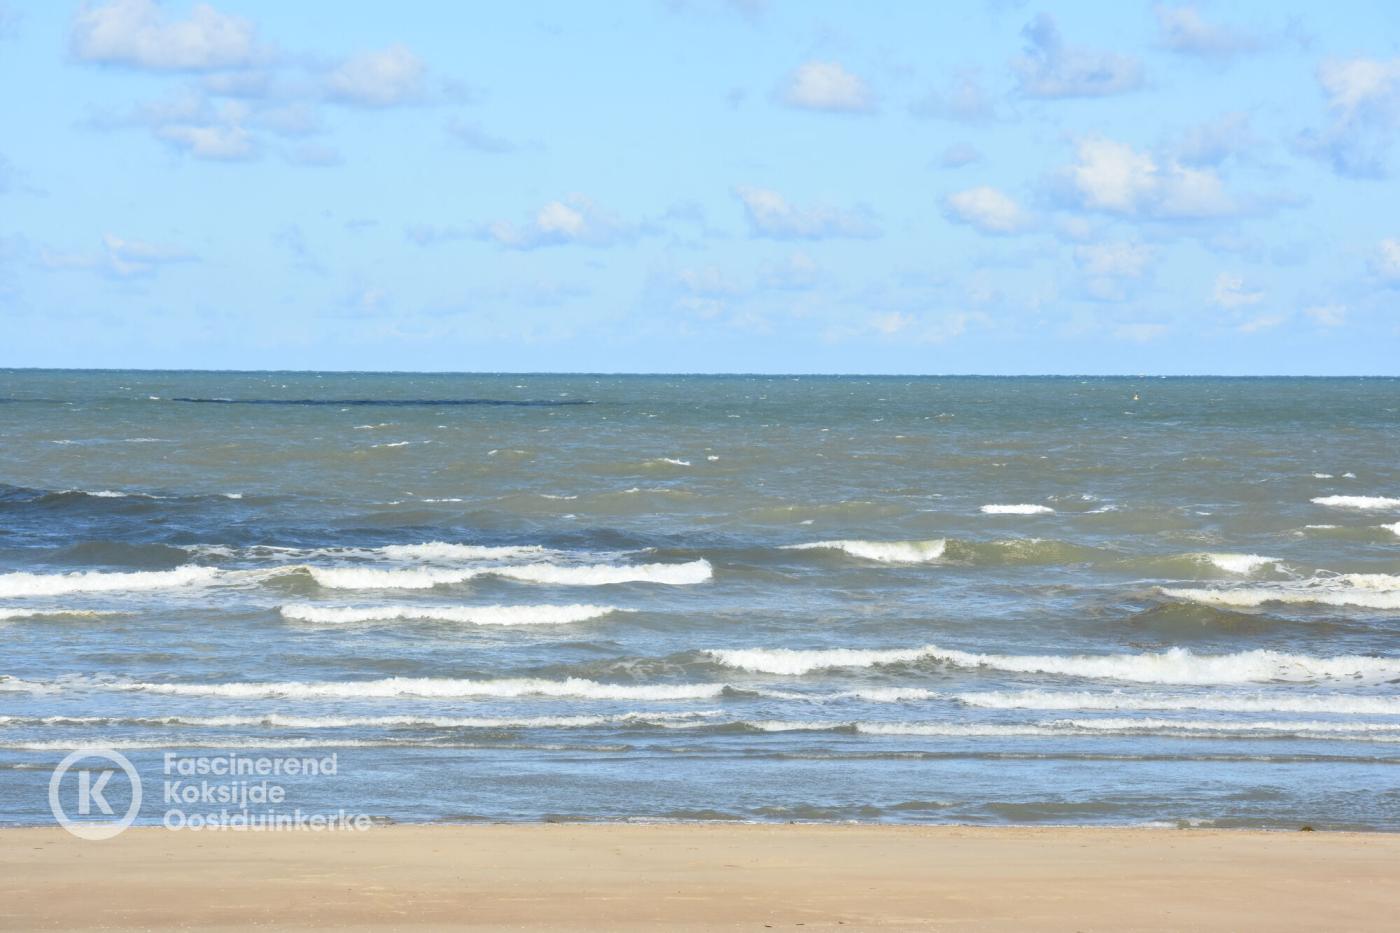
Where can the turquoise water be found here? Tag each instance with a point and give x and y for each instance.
(533, 597)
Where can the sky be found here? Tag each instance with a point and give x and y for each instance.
(702, 186)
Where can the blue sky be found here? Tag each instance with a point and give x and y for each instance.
(699, 185)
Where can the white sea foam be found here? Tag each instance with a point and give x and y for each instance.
(8, 612)
(1019, 509)
(469, 615)
(368, 578)
(1362, 590)
(1239, 563)
(444, 551)
(1393, 528)
(1176, 665)
(1287, 727)
(279, 721)
(430, 688)
(887, 552)
(392, 444)
(1221, 702)
(1358, 502)
(58, 584)
(1119, 726)
(696, 571)
(673, 461)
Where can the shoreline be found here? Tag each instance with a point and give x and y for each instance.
(701, 875)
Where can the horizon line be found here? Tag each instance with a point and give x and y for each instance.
(710, 374)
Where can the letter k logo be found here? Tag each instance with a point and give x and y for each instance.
(90, 793)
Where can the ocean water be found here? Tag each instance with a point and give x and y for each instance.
(506, 597)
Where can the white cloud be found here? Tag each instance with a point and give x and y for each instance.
(959, 154)
(118, 256)
(225, 140)
(963, 100)
(384, 78)
(1182, 29)
(987, 209)
(828, 86)
(1051, 69)
(1261, 323)
(771, 215)
(1387, 263)
(1354, 84)
(1141, 332)
(1113, 260)
(1115, 178)
(1230, 292)
(472, 136)
(137, 33)
(1110, 268)
(1214, 141)
(912, 328)
(573, 220)
(1327, 315)
(1363, 99)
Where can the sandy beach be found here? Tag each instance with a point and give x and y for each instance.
(581, 877)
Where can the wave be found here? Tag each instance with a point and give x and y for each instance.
(1019, 509)
(1239, 563)
(1175, 665)
(91, 581)
(1227, 703)
(360, 578)
(368, 578)
(388, 402)
(8, 613)
(1361, 590)
(442, 550)
(1104, 726)
(888, 552)
(430, 688)
(470, 615)
(695, 571)
(1393, 528)
(427, 552)
(279, 721)
(1358, 502)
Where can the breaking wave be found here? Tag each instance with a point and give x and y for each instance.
(1018, 509)
(1361, 590)
(1176, 665)
(92, 581)
(431, 688)
(888, 552)
(1358, 502)
(469, 615)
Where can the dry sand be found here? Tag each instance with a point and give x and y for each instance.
(651, 877)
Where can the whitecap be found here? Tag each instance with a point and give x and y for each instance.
(430, 688)
(1239, 563)
(92, 581)
(696, 571)
(1339, 703)
(1175, 665)
(1019, 509)
(1358, 502)
(470, 615)
(889, 552)
(1362, 590)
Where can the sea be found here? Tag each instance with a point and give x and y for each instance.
(1139, 601)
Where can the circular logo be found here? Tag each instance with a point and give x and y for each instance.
(95, 819)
